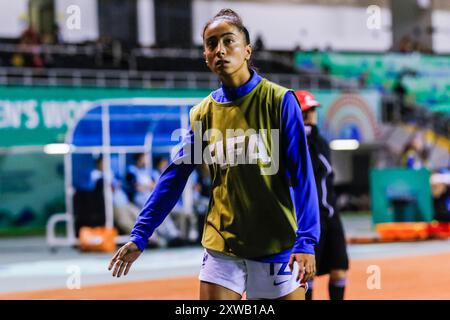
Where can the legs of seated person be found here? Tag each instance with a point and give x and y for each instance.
(168, 229)
(123, 219)
(179, 219)
(140, 199)
(188, 226)
(192, 233)
(155, 239)
(169, 232)
(186, 222)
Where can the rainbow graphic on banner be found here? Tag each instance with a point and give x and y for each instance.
(350, 115)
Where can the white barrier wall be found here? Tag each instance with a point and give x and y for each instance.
(13, 18)
(441, 37)
(283, 26)
(146, 22)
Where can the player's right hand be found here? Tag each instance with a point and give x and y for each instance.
(307, 266)
(124, 258)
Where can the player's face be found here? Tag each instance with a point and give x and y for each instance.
(225, 49)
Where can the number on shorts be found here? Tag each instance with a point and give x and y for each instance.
(284, 270)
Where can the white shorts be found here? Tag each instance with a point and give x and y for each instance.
(260, 280)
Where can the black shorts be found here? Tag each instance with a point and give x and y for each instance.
(331, 251)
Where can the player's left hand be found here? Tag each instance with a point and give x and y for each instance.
(307, 266)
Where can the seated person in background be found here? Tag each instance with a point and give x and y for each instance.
(88, 200)
(414, 155)
(97, 193)
(161, 164)
(180, 218)
(125, 212)
(97, 172)
(140, 181)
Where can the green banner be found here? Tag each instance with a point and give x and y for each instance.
(32, 184)
(31, 116)
(424, 78)
(31, 189)
(36, 116)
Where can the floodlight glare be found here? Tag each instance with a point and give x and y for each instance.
(345, 144)
(57, 148)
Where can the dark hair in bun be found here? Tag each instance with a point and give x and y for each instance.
(231, 17)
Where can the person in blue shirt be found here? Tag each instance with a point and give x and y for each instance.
(139, 179)
(257, 239)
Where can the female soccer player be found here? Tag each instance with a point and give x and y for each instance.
(256, 239)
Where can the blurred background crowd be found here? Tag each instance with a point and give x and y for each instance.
(380, 68)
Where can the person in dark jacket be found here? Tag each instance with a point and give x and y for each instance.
(331, 252)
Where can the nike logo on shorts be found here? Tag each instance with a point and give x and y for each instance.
(275, 283)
